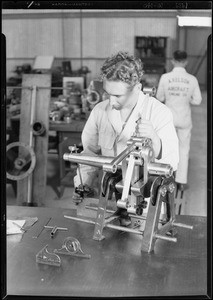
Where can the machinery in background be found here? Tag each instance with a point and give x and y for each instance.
(76, 104)
(95, 94)
(92, 95)
(27, 158)
(132, 177)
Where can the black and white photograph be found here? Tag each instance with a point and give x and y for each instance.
(106, 149)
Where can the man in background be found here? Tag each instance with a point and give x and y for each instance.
(179, 90)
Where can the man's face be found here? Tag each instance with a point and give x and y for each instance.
(119, 93)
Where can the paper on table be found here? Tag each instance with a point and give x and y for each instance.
(14, 226)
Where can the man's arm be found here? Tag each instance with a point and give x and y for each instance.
(90, 145)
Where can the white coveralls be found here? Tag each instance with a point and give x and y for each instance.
(179, 90)
(103, 135)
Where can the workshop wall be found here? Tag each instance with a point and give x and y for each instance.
(84, 37)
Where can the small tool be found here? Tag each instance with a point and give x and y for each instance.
(47, 258)
(71, 246)
(78, 190)
(54, 229)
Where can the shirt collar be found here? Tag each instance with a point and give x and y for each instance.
(179, 69)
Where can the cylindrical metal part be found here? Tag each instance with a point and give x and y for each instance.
(96, 161)
(110, 164)
(160, 169)
(166, 238)
(19, 163)
(121, 204)
(112, 168)
(79, 219)
(131, 210)
(53, 231)
(182, 225)
(121, 228)
(38, 128)
(149, 90)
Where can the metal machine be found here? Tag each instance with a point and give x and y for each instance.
(132, 177)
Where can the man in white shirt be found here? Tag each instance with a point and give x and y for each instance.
(112, 122)
(179, 90)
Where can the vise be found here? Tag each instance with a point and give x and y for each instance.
(133, 176)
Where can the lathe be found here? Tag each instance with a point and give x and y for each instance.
(132, 177)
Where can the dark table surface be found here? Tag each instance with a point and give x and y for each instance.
(117, 267)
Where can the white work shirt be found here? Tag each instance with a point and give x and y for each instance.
(103, 135)
(179, 89)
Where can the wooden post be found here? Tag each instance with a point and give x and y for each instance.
(40, 145)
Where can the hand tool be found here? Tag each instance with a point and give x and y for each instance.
(71, 246)
(54, 229)
(48, 258)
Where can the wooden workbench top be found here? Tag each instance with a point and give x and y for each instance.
(117, 267)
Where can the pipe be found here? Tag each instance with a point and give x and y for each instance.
(95, 161)
(126, 229)
(160, 169)
(182, 225)
(166, 238)
(38, 128)
(123, 154)
(79, 219)
(110, 164)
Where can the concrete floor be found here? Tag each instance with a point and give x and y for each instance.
(194, 201)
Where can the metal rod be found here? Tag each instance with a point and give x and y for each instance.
(123, 154)
(130, 215)
(79, 219)
(166, 238)
(124, 229)
(182, 225)
(96, 161)
(31, 142)
(160, 169)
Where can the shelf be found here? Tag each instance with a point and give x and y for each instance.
(150, 47)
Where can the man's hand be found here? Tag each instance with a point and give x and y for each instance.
(80, 192)
(144, 128)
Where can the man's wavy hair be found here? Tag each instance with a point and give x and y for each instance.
(123, 67)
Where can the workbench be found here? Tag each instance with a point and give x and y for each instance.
(64, 130)
(71, 130)
(117, 267)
